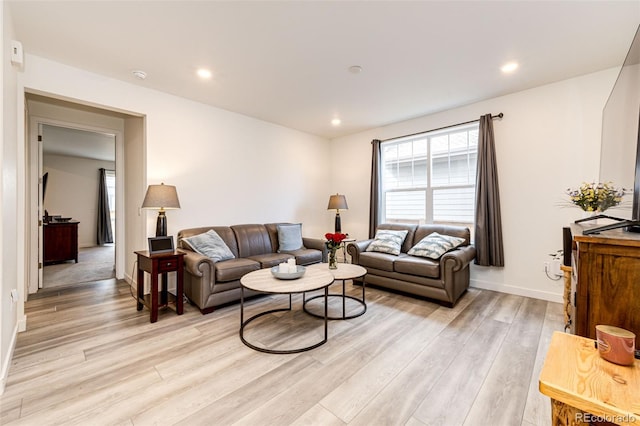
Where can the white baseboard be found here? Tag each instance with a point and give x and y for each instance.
(9, 356)
(518, 291)
(22, 324)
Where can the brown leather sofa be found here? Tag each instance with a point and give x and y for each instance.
(208, 284)
(445, 279)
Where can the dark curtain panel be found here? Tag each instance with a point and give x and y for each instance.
(105, 235)
(488, 232)
(374, 208)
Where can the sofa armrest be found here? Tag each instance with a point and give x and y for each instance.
(316, 244)
(196, 264)
(355, 248)
(457, 259)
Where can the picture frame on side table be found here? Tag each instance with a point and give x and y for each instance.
(158, 245)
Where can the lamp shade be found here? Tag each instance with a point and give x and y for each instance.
(161, 197)
(337, 202)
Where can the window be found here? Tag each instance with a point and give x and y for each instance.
(431, 177)
(111, 194)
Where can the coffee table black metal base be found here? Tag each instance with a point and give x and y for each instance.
(344, 299)
(244, 323)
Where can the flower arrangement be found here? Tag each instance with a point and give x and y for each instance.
(333, 243)
(596, 197)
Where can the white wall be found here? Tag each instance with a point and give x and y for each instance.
(11, 247)
(72, 191)
(228, 168)
(549, 140)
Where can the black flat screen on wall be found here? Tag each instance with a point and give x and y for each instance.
(620, 152)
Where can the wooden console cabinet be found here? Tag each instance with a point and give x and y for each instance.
(605, 282)
(60, 241)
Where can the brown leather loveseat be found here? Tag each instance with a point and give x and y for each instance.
(444, 279)
(209, 283)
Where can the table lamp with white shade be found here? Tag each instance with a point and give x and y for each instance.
(162, 197)
(337, 202)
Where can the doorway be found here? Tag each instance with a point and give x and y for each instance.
(55, 115)
(79, 204)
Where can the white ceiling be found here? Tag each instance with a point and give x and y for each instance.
(286, 62)
(78, 143)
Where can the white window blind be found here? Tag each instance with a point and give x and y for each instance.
(430, 177)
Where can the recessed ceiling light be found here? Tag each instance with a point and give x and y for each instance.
(355, 69)
(203, 73)
(509, 67)
(336, 122)
(139, 74)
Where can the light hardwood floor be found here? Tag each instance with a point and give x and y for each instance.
(89, 358)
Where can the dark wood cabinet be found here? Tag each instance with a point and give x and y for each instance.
(60, 241)
(606, 281)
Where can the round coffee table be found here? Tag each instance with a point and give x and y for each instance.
(264, 282)
(345, 271)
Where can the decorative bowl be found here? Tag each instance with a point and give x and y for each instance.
(63, 219)
(286, 275)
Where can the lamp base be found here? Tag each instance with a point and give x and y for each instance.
(161, 224)
(337, 225)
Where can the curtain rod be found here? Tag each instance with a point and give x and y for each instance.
(493, 117)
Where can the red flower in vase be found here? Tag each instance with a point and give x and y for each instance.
(334, 239)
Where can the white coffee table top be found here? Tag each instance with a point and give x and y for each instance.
(264, 282)
(345, 271)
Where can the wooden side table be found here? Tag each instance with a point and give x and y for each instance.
(160, 264)
(343, 247)
(585, 388)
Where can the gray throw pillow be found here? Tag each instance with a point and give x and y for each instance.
(435, 245)
(289, 237)
(210, 244)
(388, 241)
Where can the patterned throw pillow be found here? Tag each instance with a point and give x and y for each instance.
(435, 245)
(388, 241)
(289, 237)
(210, 244)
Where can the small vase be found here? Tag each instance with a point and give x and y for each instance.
(588, 217)
(332, 259)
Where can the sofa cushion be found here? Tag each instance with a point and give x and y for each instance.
(381, 261)
(434, 245)
(289, 237)
(252, 240)
(455, 231)
(270, 259)
(418, 266)
(388, 241)
(209, 244)
(307, 256)
(410, 228)
(234, 269)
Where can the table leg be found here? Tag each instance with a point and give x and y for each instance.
(241, 308)
(565, 415)
(163, 295)
(344, 301)
(154, 297)
(326, 313)
(364, 284)
(140, 286)
(180, 288)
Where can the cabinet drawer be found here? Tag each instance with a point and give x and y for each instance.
(168, 265)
